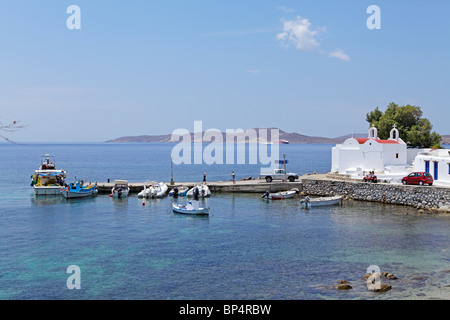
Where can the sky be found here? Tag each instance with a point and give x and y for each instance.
(151, 67)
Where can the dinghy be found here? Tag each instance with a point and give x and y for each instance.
(179, 191)
(279, 195)
(199, 191)
(190, 208)
(156, 190)
(322, 201)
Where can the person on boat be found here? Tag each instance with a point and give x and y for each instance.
(204, 176)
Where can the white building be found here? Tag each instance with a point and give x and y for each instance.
(358, 156)
(435, 162)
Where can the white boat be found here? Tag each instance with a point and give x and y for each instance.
(120, 189)
(143, 193)
(190, 208)
(47, 180)
(322, 201)
(279, 195)
(77, 190)
(156, 190)
(199, 191)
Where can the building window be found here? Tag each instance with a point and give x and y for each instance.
(449, 168)
(396, 155)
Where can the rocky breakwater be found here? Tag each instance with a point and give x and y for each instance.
(420, 197)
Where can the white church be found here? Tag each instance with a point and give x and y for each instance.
(358, 156)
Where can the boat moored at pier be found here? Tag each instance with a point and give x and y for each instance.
(78, 190)
(120, 189)
(47, 180)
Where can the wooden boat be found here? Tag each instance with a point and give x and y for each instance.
(322, 201)
(279, 195)
(199, 191)
(47, 180)
(179, 191)
(77, 190)
(190, 208)
(120, 189)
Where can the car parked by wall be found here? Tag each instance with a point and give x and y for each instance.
(419, 178)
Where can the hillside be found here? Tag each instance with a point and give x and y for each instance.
(291, 137)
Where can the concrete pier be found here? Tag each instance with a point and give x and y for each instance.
(248, 186)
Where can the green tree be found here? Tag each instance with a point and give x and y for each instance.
(413, 129)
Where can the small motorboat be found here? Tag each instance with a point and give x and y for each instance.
(279, 195)
(199, 191)
(179, 191)
(120, 189)
(78, 190)
(322, 201)
(191, 208)
(47, 180)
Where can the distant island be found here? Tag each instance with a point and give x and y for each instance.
(290, 137)
(284, 136)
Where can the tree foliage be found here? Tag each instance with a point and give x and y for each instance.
(413, 129)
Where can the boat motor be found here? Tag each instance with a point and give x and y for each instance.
(266, 195)
(195, 192)
(175, 192)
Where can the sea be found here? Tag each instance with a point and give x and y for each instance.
(101, 248)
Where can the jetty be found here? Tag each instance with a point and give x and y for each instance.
(247, 186)
(435, 198)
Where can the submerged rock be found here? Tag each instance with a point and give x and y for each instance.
(382, 287)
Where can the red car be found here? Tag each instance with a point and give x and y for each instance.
(420, 178)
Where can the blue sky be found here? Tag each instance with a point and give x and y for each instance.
(150, 67)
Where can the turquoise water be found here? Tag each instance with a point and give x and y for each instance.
(246, 249)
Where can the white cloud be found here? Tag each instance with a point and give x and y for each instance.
(284, 9)
(339, 54)
(299, 33)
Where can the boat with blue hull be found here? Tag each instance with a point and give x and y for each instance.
(78, 190)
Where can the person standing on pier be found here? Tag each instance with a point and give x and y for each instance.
(204, 177)
(232, 177)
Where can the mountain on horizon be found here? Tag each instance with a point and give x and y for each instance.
(292, 137)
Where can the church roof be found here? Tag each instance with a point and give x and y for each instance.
(362, 141)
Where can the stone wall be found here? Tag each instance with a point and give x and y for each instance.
(421, 197)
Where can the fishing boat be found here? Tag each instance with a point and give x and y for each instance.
(179, 191)
(322, 201)
(199, 191)
(190, 208)
(78, 190)
(279, 195)
(47, 180)
(120, 189)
